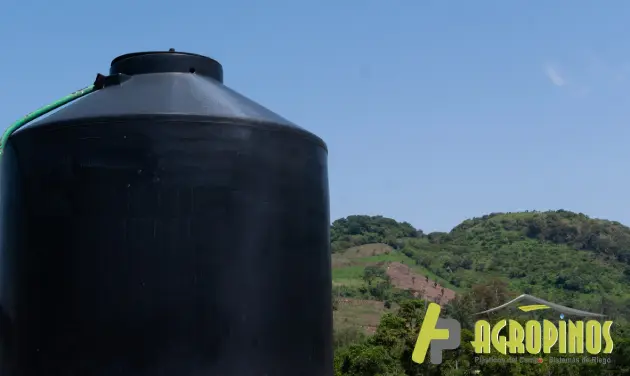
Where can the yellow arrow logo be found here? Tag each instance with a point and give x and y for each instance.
(533, 307)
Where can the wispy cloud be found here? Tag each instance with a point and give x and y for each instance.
(588, 75)
(554, 76)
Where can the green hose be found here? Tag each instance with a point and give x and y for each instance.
(42, 111)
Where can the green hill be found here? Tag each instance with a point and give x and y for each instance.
(560, 256)
(357, 230)
(557, 255)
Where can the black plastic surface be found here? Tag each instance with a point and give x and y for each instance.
(166, 62)
(167, 93)
(164, 244)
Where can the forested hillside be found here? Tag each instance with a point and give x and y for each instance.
(560, 256)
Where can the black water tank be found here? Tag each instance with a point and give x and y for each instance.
(165, 226)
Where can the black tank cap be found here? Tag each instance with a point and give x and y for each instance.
(165, 62)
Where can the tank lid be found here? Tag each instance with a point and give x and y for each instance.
(166, 62)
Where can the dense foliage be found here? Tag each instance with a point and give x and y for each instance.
(561, 256)
(558, 255)
(388, 352)
(362, 229)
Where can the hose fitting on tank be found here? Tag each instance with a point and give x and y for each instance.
(100, 82)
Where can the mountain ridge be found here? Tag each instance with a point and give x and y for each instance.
(562, 256)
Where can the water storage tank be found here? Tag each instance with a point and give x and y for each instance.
(165, 226)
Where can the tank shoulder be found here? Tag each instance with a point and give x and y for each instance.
(166, 94)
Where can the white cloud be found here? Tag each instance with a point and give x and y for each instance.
(554, 76)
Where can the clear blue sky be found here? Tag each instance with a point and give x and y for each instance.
(433, 111)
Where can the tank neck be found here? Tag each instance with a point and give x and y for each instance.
(167, 62)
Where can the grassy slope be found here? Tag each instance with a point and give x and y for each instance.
(348, 266)
(563, 256)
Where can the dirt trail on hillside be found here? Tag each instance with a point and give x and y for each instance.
(404, 278)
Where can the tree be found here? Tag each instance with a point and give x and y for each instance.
(491, 294)
(372, 272)
(366, 360)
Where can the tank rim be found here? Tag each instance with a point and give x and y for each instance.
(136, 54)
